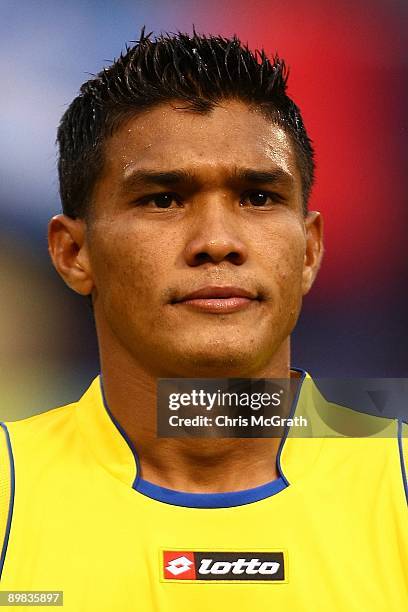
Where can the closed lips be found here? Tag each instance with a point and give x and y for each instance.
(219, 300)
(220, 292)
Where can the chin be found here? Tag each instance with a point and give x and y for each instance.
(220, 363)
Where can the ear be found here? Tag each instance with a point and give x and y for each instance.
(314, 249)
(67, 246)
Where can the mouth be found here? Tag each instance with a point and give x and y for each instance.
(218, 299)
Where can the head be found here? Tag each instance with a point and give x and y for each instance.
(183, 167)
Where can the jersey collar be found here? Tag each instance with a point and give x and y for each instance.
(112, 448)
(104, 436)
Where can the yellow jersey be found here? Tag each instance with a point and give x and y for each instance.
(330, 534)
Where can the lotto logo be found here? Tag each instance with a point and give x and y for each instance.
(179, 565)
(226, 566)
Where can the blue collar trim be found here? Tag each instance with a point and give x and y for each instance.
(210, 500)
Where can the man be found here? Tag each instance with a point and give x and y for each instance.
(185, 172)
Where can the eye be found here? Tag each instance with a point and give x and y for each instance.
(260, 198)
(160, 200)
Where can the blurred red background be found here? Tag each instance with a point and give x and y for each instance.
(348, 73)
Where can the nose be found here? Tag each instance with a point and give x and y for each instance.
(215, 237)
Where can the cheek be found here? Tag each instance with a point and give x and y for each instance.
(283, 257)
(289, 290)
(289, 269)
(284, 267)
(125, 268)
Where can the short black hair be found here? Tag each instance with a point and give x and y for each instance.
(198, 70)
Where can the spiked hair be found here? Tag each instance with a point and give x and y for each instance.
(198, 70)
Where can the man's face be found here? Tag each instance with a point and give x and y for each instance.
(189, 202)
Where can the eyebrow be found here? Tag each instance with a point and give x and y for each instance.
(141, 178)
(248, 175)
(174, 178)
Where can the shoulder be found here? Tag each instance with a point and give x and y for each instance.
(377, 447)
(44, 426)
(350, 422)
(330, 417)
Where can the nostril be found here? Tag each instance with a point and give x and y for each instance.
(202, 257)
(203, 251)
(235, 258)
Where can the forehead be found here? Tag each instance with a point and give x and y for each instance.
(170, 136)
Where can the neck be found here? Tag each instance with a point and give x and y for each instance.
(190, 465)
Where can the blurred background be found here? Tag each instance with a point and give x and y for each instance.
(349, 76)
